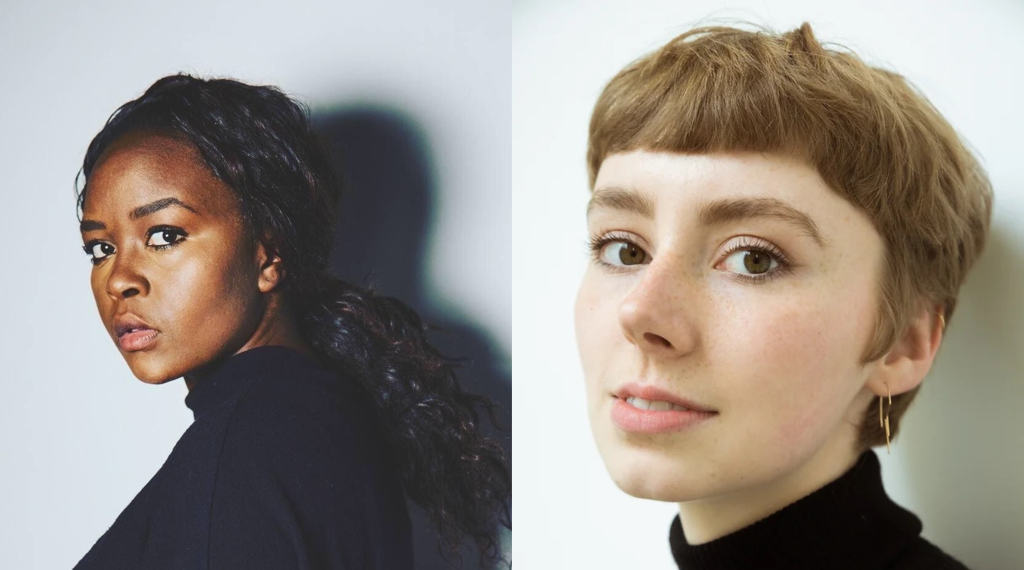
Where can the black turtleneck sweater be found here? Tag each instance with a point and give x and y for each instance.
(849, 524)
(282, 468)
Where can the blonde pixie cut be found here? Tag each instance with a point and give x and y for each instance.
(871, 136)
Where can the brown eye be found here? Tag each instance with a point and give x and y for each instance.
(756, 262)
(164, 237)
(98, 250)
(621, 253)
(750, 262)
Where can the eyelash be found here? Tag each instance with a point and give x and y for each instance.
(597, 243)
(88, 247)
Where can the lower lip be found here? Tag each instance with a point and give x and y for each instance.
(631, 419)
(137, 340)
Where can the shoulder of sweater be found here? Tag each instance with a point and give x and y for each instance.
(312, 410)
(314, 393)
(923, 555)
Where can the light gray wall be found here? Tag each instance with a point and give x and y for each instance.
(79, 434)
(959, 462)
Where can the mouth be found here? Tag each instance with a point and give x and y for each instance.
(646, 409)
(133, 333)
(654, 405)
(653, 398)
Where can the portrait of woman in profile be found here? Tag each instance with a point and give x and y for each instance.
(779, 233)
(207, 211)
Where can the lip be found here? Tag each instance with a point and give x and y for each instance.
(141, 335)
(651, 392)
(636, 420)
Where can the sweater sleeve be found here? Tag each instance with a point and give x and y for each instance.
(289, 493)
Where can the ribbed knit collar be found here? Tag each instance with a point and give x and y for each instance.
(232, 375)
(849, 523)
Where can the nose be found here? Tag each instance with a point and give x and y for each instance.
(659, 315)
(125, 279)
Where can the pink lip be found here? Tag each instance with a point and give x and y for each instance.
(650, 392)
(637, 420)
(133, 333)
(631, 419)
(137, 340)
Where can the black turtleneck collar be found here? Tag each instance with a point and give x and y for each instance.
(848, 523)
(238, 371)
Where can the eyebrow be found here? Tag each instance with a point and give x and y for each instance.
(709, 213)
(140, 212)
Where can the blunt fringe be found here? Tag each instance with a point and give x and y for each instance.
(869, 133)
(259, 142)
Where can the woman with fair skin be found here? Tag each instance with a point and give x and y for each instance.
(207, 214)
(773, 267)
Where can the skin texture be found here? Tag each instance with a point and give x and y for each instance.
(214, 294)
(778, 360)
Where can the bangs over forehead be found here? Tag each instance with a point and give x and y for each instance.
(871, 136)
(717, 89)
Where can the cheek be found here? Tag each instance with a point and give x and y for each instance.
(98, 288)
(210, 295)
(597, 327)
(794, 361)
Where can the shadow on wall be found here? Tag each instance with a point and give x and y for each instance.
(383, 225)
(964, 445)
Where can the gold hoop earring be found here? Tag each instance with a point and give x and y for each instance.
(942, 319)
(885, 423)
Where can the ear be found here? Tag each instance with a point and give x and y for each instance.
(271, 269)
(910, 359)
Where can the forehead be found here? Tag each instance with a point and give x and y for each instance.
(139, 168)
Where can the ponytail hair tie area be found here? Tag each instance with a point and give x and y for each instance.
(445, 463)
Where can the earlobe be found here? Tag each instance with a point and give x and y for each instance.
(907, 364)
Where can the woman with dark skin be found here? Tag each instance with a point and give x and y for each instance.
(207, 212)
(221, 297)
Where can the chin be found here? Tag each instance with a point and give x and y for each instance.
(650, 474)
(150, 370)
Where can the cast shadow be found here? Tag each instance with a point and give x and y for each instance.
(383, 224)
(963, 448)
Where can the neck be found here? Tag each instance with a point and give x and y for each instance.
(708, 519)
(277, 328)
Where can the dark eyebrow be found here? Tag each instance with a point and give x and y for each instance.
(714, 212)
(140, 212)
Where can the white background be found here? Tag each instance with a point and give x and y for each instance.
(959, 461)
(80, 436)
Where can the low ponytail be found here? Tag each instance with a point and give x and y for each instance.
(446, 465)
(259, 142)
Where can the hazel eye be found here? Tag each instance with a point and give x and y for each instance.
(750, 260)
(623, 253)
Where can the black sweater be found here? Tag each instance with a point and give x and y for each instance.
(281, 468)
(849, 523)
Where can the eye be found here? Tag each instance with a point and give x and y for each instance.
(164, 237)
(618, 251)
(755, 260)
(98, 250)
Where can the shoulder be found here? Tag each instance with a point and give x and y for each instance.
(923, 555)
(304, 417)
(303, 481)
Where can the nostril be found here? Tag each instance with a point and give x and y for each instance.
(657, 340)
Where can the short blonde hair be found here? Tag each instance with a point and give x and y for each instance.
(873, 138)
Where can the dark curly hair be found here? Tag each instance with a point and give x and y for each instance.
(259, 142)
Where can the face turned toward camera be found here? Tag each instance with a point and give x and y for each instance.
(741, 283)
(169, 247)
